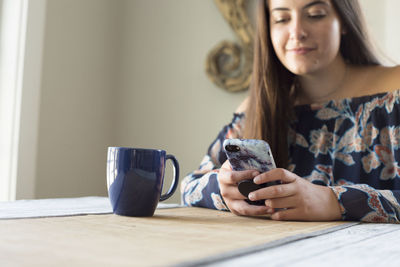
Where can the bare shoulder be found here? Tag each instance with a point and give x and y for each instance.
(378, 79)
(389, 78)
(394, 75)
(243, 106)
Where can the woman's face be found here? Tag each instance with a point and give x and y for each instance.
(305, 34)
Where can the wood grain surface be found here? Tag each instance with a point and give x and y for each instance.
(169, 237)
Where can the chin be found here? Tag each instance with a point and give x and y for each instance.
(303, 66)
(300, 71)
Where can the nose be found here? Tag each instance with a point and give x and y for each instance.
(297, 30)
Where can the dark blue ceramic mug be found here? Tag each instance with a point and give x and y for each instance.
(135, 178)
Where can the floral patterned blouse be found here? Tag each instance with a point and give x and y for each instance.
(351, 145)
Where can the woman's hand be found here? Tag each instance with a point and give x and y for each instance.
(298, 198)
(228, 183)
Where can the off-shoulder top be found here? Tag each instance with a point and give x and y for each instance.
(351, 145)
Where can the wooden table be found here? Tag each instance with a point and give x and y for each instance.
(186, 237)
(366, 245)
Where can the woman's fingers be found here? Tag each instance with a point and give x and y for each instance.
(234, 177)
(282, 203)
(274, 191)
(231, 192)
(228, 181)
(278, 174)
(287, 215)
(296, 214)
(240, 207)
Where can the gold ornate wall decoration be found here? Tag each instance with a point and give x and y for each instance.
(229, 65)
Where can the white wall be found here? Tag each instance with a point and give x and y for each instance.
(383, 20)
(131, 73)
(392, 30)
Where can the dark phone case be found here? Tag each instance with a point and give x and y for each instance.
(246, 187)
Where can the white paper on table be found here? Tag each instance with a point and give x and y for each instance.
(60, 207)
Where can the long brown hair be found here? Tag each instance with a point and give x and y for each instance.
(271, 101)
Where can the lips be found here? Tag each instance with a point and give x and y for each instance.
(301, 50)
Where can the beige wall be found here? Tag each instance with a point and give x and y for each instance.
(130, 73)
(126, 73)
(77, 112)
(166, 101)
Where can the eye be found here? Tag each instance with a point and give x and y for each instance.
(317, 16)
(316, 13)
(280, 17)
(280, 20)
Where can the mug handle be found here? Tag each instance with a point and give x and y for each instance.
(174, 184)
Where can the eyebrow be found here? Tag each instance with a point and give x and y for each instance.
(318, 2)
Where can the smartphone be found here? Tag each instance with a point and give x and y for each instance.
(250, 154)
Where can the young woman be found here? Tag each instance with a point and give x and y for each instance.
(330, 112)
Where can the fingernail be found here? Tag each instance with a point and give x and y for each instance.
(269, 210)
(251, 196)
(254, 174)
(256, 179)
